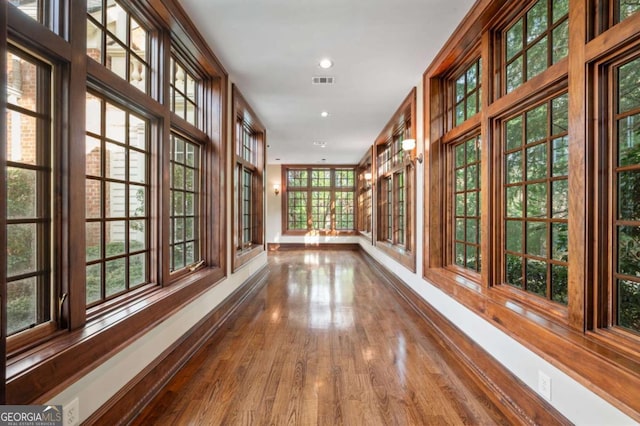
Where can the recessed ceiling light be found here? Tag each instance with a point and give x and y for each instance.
(326, 63)
(324, 114)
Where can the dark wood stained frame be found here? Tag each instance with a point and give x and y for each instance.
(365, 190)
(3, 196)
(242, 111)
(404, 119)
(578, 339)
(308, 188)
(87, 338)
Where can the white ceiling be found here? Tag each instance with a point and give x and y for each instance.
(271, 49)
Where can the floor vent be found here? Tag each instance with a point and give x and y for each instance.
(323, 80)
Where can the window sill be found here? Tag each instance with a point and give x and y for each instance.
(319, 233)
(38, 374)
(608, 369)
(243, 257)
(399, 254)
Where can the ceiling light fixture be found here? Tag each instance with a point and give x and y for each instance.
(326, 63)
(324, 114)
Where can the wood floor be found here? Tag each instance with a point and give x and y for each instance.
(323, 342)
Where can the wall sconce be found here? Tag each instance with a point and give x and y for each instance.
(409, 145)
(367, 180)
(276, 188)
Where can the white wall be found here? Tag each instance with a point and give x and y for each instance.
(274, 217)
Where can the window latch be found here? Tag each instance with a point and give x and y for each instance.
(196, 266)
(60, 303)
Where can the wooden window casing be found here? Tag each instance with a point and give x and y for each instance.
(43, 359)
(465, 205)
(364, 193)
(589, 326)
(535, 41)
(319, 200)
(395, 180)
(31, 147)
(185, 204)
(124, 50)
(184, 91)
(118, 193)
(249, 154)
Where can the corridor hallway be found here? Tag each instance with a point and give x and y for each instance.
(325, 341)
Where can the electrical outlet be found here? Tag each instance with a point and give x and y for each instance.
(544, 385)
(71, 413)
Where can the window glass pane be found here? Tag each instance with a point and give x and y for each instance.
(514, 236)
(185, 195)
(627, 8)
(183, 91)
(118, 41)
(514, 39)
(467, 209)
(543, 190)
(628, 303)
(628, 190)
(629, 140)
(117, 204)
(560, 284)
(560, 36)
(467, 87)
(536, 162)
(297, 210)
(29, 178)
(628, 88)
(537, 58)
(528, 42)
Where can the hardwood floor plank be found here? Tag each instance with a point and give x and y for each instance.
(324, 342)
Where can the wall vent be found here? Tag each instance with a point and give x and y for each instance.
(323, 80)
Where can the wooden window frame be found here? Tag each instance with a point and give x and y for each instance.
(197, 215)
(452, 216)
(192, 71)
(476, 62)
(103, 219)
(49, 224)
(389, 161)
(364, 193)
(577, 338)
(141, 18)
(309, 189)
(521, 14)
(36, 370)
(247, 122)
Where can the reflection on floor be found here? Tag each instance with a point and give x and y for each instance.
(324, 342)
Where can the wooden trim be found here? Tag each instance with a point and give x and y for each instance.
(173, 16)
(52, 367)
(273, 247)
(3, 196)
(127, 403)
(519, 402)
(241, 109)
(579, 178)
(406, 257)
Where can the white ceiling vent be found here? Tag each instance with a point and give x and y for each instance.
(323, 80)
